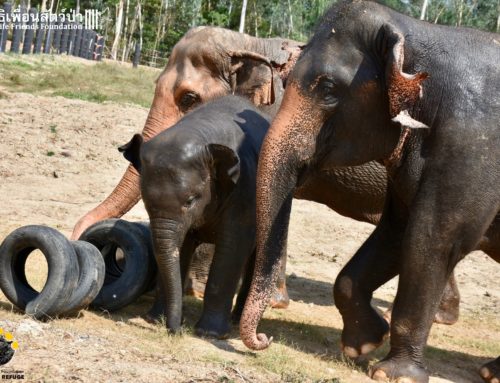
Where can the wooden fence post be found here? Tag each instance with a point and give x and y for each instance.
(40, 32)
(48, 37)
(63, 47)
(56, 43)
(4, 27)
(93, 44)
(30, 32)
(17, 32)
(72, 36)
(137, 54)
(85, 43)
(78, 41)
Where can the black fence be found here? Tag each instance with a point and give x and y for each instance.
(28, 32)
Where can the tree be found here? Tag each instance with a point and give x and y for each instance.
(243, 15)
(118, 29)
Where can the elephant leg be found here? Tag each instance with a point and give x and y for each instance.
(441, 230)
(244, 289)
(376, 262)
(232, 250)
(198, 270)
(280, 299)
(449, 308)
(490, 372)
(158, 311)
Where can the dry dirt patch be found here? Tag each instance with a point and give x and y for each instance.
(58, 159)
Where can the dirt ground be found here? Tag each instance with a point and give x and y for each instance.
(58, 159)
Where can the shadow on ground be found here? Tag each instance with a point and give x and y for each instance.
(318, 292)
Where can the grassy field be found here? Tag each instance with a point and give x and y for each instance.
(77, 78)
(81, 130)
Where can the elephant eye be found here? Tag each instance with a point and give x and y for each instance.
(191, 200)
(188, 100)
(326, 90)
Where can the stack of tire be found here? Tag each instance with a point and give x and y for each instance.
(109, 267)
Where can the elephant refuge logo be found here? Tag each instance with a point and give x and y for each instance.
(8, 347)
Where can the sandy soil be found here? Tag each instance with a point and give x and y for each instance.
(58, 159)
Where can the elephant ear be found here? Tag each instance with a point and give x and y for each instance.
(251, 75)
(226, 165)
(132, 151)
(404, 90)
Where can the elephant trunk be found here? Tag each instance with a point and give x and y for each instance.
(288, 146)
(127, 193)
(167, 238)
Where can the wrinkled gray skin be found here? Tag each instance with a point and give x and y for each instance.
(373, 84)
(198, 186)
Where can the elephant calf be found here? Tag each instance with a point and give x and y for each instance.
(198, 185)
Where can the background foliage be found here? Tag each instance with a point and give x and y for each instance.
(165, 21)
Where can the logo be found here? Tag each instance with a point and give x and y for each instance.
(8, 347)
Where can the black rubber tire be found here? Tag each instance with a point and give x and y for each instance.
(91, 279)
(121, 287)
(62, 275)
(146, 235)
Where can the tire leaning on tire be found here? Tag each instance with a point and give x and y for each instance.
(62, 276)
(121, 287)
(91, 278)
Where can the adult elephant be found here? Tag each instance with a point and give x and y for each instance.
(209, 62)
(357, 94)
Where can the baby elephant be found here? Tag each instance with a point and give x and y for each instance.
(198, 182)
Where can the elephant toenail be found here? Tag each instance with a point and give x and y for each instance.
(405, 380)
(367, 348)
(484, 372)
(379, 375)
(351, 352)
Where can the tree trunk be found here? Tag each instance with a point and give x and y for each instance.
(230, 10)
(77, 10)
(255, 19)
(43, 7)
(424, 9)
(133, 26)
(125, 31)
(158, 27)
(243, 15)
(118, 30)
(290, 24)
(498, 18)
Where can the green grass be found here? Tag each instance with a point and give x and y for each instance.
(77, 79)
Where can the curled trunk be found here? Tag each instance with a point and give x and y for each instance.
(288, 145)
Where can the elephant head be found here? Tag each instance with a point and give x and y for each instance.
(206, 63)
(347, 102)
(182, 186)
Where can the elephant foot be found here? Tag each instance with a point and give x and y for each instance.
(490, 372)
(280, 299)
(445, 316)
(195, 287)
(213, 326)
(364, 334)
(399, 371)
(191, 292)
(156, 314)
